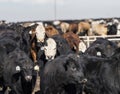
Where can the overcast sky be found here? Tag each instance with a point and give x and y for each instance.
(30, 10)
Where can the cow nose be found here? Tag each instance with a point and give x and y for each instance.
(28, 78)
(50, 57)
(83, 81)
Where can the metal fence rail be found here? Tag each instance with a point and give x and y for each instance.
(90, 39)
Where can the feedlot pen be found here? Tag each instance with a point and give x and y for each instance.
(89, 39)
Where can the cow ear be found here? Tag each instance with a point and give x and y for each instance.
(68, 63)
(116, 54)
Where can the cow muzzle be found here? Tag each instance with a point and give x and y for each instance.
(36, 68)
(83, 81)
(28, 78)
(49, 58)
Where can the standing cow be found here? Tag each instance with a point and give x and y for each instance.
(18, 67)
(102, 74)
(101, 47)
(61, 75)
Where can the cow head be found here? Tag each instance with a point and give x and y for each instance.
(26, 68)
(40, 33)
(50, 49)
(101, 47)
(74, 70)
(24, 65)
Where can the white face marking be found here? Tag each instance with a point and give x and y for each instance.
(50, 49)
(40, 33)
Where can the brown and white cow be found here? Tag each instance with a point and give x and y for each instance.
(40, 32)
(50, 49)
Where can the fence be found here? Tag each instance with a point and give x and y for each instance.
(90, 39)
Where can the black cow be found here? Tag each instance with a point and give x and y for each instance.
(102, 74)
(101, 47)
(62, 45)
(61, 75)
(17, 72)
(9, 44)
(27, 38)
(2, 55)
(110, 74)
(6, 32)
(112, 29)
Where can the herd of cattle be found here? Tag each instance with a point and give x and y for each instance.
(54, 52)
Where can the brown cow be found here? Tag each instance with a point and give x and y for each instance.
(33, 45)
(73, 40)
(84, 28)
(73, 27)
(50, 31)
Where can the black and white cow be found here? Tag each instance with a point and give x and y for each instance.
(53, 47)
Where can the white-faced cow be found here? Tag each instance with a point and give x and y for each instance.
(50, 49)
(40, 32)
